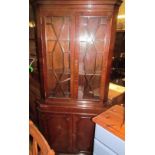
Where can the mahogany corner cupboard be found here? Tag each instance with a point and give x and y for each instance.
(75, 41)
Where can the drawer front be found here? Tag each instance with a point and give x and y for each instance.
(101, 149)
(110, 140)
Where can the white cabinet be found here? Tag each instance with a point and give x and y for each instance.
(110, 132)
(106, 143)
(101, 149)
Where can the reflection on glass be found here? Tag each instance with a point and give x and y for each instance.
(86, 38)
(91, 38)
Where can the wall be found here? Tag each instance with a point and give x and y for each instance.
(34, 81)
(121, 17)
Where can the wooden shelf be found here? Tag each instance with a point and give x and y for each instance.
(92, 94)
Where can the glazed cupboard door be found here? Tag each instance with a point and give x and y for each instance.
(91, 55)
(57, 51)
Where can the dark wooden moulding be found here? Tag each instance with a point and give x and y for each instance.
(67, 122)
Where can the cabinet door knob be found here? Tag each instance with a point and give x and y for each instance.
(67, 119)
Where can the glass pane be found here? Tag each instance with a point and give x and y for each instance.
(57, 31)
(91, 37)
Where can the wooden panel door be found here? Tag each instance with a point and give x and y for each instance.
(58, 131)
(83, 133)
